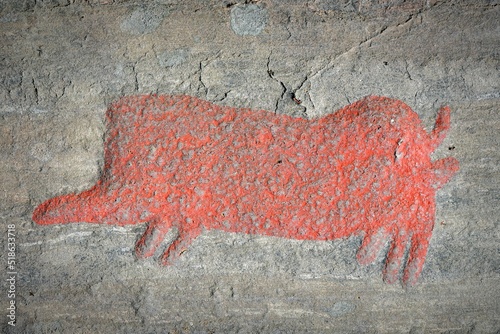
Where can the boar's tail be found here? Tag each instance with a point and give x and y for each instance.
(71, 208)
(441, 127)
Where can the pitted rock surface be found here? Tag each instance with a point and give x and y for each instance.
(186, 163)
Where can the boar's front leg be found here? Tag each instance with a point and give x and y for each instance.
(395, 256)
(416, 257)
(398, 239)
(374, 242)
(372, 245)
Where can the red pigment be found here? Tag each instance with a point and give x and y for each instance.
(178, 161)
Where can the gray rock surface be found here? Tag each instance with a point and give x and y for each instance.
(62, 63)
(248, 20)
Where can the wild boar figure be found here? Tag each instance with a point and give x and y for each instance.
(178, 161)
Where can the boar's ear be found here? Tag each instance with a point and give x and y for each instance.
(444, 169)
(441, 127)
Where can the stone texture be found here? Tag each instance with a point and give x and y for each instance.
(248, 20)
(64, 62)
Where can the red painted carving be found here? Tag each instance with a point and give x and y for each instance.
(186, 163)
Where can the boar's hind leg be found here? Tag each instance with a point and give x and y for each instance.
(186, 236)
(152, 238)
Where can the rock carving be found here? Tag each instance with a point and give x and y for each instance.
(178, 161)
